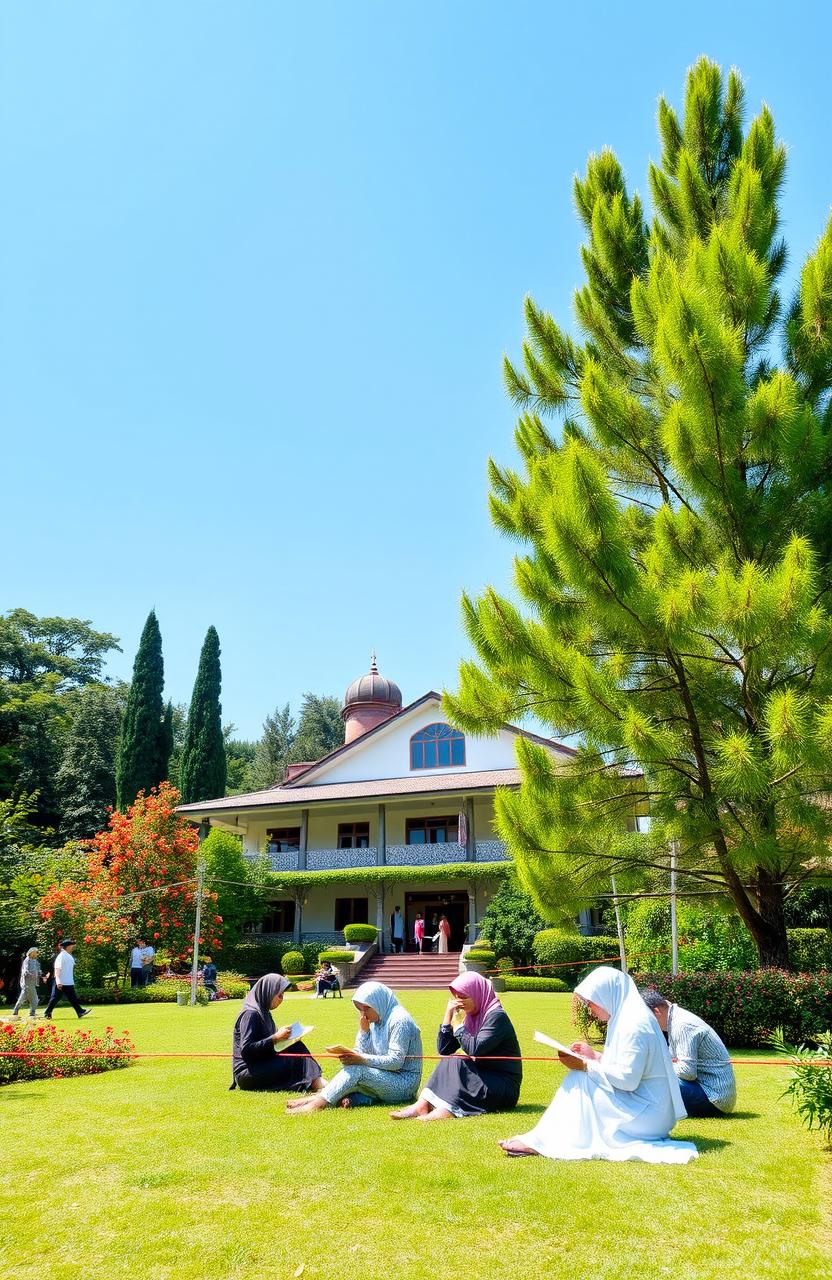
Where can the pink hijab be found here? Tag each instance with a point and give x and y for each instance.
(476, 987)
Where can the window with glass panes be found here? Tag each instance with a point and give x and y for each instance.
(283, 839)
(353, 835)
(431, 830)
(437, 746)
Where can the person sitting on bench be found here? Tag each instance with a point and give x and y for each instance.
(326, 979)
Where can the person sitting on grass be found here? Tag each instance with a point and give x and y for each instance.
(473, 1085)
(617, 1105)
(326, 979)
(386, 1064)
(700, 1059)
(256, 1061)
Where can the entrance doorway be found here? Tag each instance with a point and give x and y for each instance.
(432, 905)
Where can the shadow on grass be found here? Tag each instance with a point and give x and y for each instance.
(742, 1115)
(709, 1144)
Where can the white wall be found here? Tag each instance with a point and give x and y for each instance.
(387, 753)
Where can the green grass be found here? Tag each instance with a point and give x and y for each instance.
(158, 1172)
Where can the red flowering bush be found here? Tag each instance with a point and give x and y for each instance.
(746, 1008)
(42, 1051)
(140, 883)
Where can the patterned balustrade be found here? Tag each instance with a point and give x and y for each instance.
(335, 859)
(492, 851)
(423, 855)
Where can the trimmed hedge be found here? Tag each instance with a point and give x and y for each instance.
(534, 984)
(337, 957)
(745, 1008)
(481, 955)
(810, 950)
(254, 958)
(360, 933)
(557, 946)
(293, 963)
(162, 992)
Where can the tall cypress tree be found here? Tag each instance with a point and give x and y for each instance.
(676, 522)
(202, 774)
(138, 767)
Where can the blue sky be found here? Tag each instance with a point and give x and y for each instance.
(259, 266)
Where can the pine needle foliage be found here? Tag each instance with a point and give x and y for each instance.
(672, 510)
(202, 773)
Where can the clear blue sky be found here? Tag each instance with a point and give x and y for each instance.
(259, 265)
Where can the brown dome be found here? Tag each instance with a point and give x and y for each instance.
(373, 688)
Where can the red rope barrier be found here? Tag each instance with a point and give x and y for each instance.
(425, 1057)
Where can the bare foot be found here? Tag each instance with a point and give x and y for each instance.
(304, 1105)
(438, 1113)
(514, 1147)
(416, 1110)
(345, 1103)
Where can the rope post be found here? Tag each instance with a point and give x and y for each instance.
(619, 927)
(674, 932)
(200, 885)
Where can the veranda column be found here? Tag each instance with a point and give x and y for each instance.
(381, 858)
(304, 835)
(472, 914)
(379, 892)
(298, 916)
(471, 839)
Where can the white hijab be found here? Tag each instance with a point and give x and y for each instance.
(629, 1016)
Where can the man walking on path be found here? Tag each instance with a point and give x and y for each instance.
(64, 984)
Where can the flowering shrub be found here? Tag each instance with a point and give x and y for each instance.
(746, 1008)
(71, 1053)
(148, 847)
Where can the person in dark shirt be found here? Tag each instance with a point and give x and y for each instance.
(473, 1085)
(209, 975)
(256, 1059)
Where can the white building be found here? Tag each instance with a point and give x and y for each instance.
(406, 790)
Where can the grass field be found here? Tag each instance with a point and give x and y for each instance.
(158, 1171)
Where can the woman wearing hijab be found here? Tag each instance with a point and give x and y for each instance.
(386, 1064)
(257, 1062)
(617, 1105)
(471, 1086)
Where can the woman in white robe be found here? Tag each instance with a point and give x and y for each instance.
(617, 1105)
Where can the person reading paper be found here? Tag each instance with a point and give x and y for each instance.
(256, 1059)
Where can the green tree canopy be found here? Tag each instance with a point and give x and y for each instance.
(203, 770)
(86, 779)
(142, 763)
(319, 730)
(674, 529)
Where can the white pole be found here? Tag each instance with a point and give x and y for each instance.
(200, 883)
(674, 933)
(620, 928)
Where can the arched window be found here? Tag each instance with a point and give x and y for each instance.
(437, 746)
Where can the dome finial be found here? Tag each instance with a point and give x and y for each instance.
(373, 667)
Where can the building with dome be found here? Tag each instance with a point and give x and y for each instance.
(401, 814)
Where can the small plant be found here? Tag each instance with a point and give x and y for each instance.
(293, 962)
(810, 1085)
(534, 984)
(505, 965)
(337, 957)
(360, 933)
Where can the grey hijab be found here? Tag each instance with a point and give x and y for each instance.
(263, 992)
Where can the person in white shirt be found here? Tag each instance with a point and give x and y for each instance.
(147, 964)
(64, 979)
(137, 965)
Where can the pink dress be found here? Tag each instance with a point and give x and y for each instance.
(419, 933)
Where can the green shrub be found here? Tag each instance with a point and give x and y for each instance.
(505, 965)
(810, 950)
(76, 1052)
(479, 955)
(510, 922)
(709, 938)
(554, 948)
(337, 957)
(747, 1008)
(254, 958)
(534, 984)
(810, 1083)
(360, 933)
(293, 963)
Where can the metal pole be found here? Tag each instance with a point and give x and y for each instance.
(200, 884)
(619, 926)
(674, 933)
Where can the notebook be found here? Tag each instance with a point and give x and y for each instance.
(298, 1031)
(555, 1044)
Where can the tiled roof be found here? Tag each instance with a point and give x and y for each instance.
(301, 796)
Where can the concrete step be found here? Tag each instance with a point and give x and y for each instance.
(410, 972)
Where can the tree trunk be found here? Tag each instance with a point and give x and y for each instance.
(770, 931)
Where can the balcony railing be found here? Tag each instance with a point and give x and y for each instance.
(396, 855)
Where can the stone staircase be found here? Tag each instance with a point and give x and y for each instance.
(410, 972)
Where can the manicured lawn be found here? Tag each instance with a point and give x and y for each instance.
(158, 1171)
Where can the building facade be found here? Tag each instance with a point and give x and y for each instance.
(405, 791)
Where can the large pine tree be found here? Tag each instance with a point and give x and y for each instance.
(675, 535)
(202, 773)
(141, 762)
